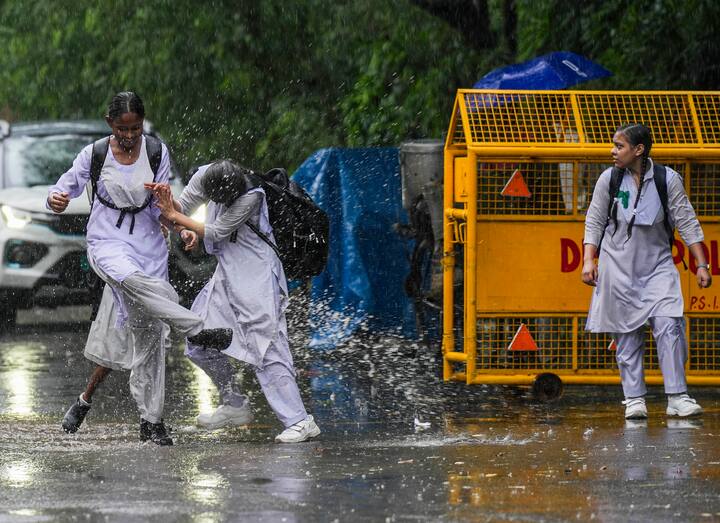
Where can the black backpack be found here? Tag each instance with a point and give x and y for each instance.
(660, 178)
(300, 227)
(153, 147)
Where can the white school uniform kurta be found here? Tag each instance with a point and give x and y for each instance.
(248, 289)
(117, 254)
(112, 249)
(637, 278)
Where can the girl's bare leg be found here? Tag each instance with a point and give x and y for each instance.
(97, 377)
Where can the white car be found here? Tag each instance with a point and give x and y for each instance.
(43, 260)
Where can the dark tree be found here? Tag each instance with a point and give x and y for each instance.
(470, 17)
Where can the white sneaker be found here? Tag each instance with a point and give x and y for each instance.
(301, 431)
(635, 408)
(225, 415)
(682, 405)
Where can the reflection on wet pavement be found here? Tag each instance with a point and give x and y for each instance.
(488, 453)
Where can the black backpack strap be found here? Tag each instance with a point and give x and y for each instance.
(276, 177)
(265, 239)
(616, 176)
(153, 147)
(99, 152)
(660, 179)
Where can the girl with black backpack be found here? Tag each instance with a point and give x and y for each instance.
(248, 289)
(127, 249)
(636, 281)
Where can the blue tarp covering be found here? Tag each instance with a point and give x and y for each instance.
(556, 70)
(368, 262)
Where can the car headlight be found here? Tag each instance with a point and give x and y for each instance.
(14, 218)
(199, 214)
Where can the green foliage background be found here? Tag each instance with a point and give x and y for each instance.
(269, 82)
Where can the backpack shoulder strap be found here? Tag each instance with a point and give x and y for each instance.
(660, 177)
(99, 152)
(616, 176)
(265, 238)
(276, 177)
(154, 153)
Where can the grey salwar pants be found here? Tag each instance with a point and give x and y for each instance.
(141, 350)
(155, 299)
(151, 303)
(276, 378)
(672, 351)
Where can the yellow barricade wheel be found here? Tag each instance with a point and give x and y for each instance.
(547, 387)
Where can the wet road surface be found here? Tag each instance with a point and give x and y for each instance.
(489, 454)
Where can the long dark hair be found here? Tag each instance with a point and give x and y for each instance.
(225, 181)
(636, 134)
(125, 102)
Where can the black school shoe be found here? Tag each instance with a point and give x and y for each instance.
(75, 416)
(155, 432)
(218, 339)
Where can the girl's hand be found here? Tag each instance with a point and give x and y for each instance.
(704, 279)
(589, 272)
(163, 198)
(189, 238)
(58, 201)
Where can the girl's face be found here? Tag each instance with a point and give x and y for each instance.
(127, 129)
(624, 153)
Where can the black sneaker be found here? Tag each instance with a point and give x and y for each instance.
(75, 416)
(155, 432)
(218, 339)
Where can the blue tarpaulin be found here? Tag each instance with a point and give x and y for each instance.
(556, 70)
(368, 261)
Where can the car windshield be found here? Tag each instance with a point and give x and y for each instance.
(41, 160)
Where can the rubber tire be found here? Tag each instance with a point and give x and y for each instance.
(547, 387)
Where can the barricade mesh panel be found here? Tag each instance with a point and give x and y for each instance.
(588, 174)
(667, 115)
(543, 117)
(704, 191)
(552, 185)
(518, 118)
(553, 336)
(704, 344)
(593, 352)
(543, 180)
(707, 107)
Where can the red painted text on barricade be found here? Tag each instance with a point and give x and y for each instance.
(571, 254)
(704, 303)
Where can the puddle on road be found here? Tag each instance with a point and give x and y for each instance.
(488, 454)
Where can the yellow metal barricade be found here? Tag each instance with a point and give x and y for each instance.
(520, 168)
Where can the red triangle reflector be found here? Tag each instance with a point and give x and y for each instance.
(516, 186)
(522, 340)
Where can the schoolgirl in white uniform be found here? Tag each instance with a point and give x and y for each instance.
(126, 248)
(636, 281)
(248, 288)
